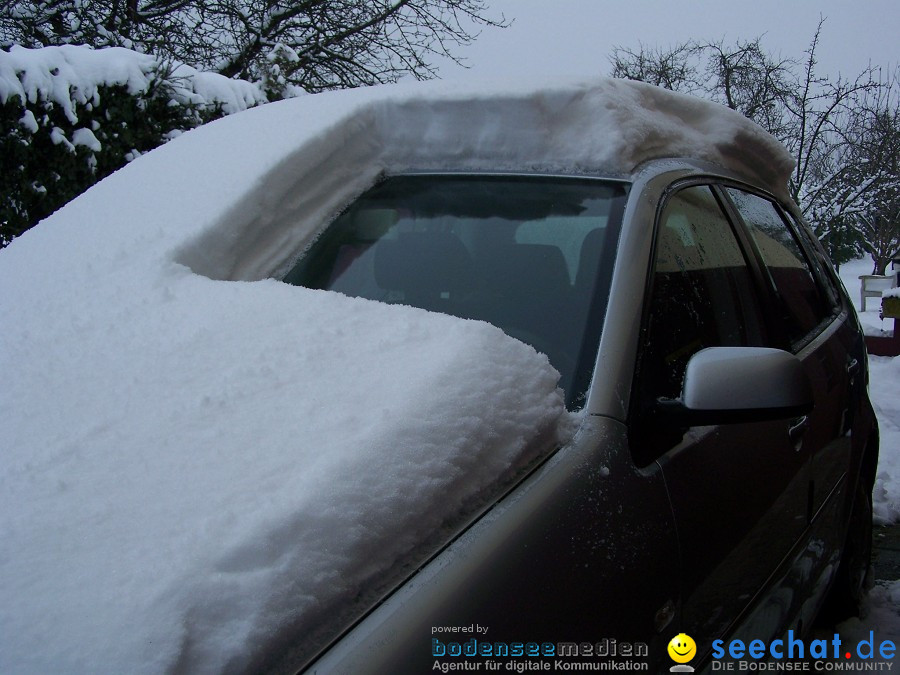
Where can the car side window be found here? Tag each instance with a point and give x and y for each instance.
(701, 295)
(821, 265)
(804, 305)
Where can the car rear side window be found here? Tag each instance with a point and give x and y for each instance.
(821, 265)
(702, 295)
(804, 305)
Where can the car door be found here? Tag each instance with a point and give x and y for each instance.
(813, 330)
(738, 491)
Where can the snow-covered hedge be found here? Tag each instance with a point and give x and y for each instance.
(72, 115)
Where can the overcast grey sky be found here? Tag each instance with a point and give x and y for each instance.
(576, 36)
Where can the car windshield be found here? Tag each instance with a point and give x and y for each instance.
(530, 254)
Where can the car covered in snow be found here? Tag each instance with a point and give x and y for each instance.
(434, 377)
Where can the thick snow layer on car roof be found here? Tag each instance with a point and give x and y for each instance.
(194, 468)
(321, 151)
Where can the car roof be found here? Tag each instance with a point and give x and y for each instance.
(337, 145)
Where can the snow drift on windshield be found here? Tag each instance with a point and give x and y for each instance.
(195, 469)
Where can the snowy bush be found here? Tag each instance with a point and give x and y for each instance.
(72, 115)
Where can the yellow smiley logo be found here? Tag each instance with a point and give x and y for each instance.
(682, 648)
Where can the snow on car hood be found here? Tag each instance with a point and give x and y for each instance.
(199, 462)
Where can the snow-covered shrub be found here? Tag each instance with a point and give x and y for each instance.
(70, 116)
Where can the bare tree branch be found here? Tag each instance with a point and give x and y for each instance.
(316, 44)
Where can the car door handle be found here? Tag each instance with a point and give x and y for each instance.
(796, 430)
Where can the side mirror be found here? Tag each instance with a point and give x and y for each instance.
(740, 384)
